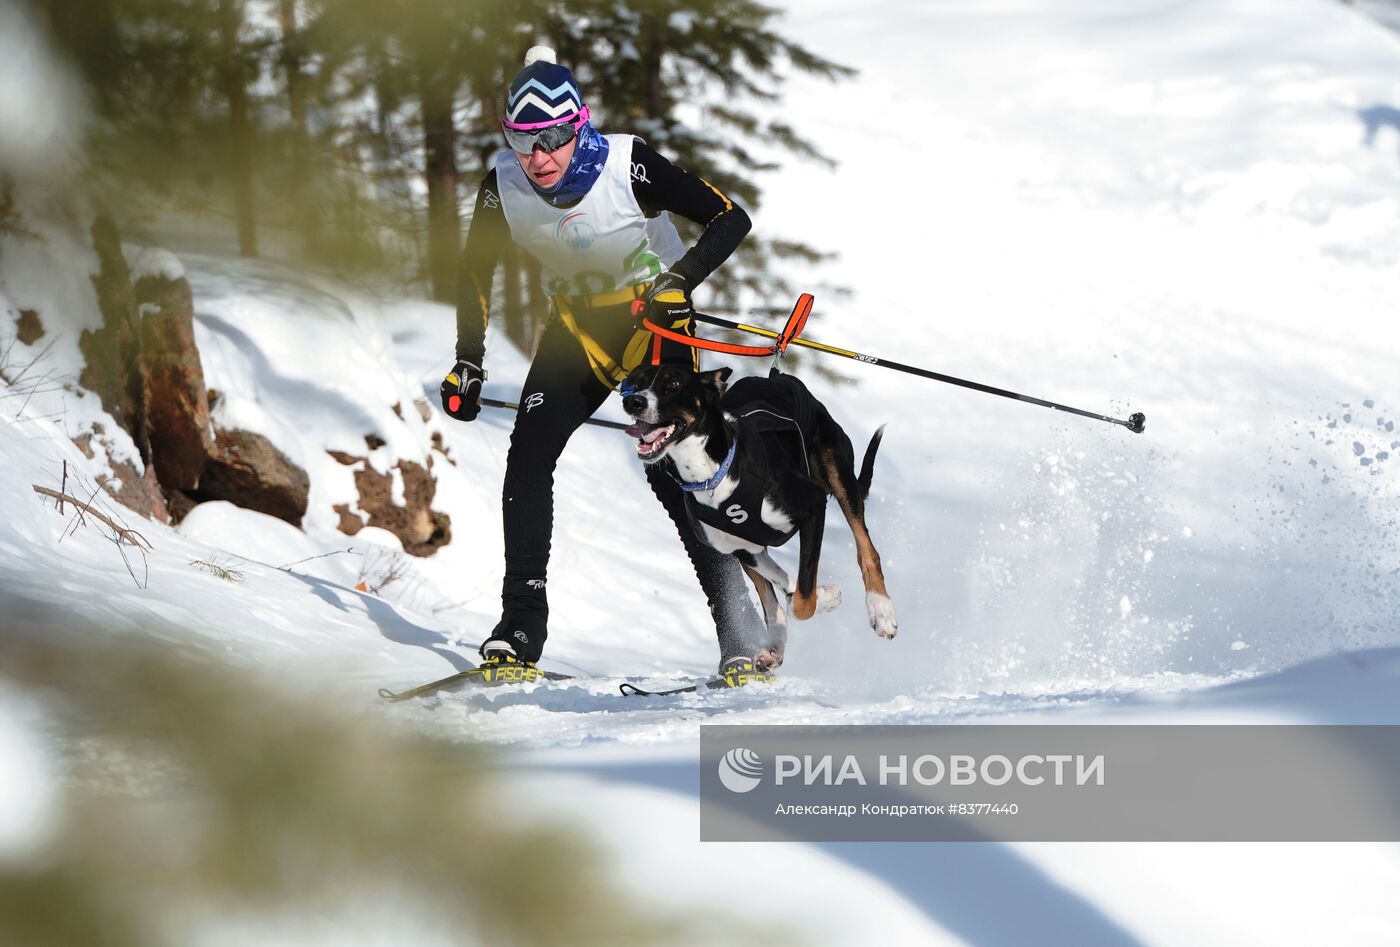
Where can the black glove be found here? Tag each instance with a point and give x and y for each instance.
(668, 300)
(461, 391)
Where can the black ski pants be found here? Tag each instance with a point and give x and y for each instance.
(580, 356)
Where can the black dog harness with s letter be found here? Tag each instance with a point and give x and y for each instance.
(775, 418)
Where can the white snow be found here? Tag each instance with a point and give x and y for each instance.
(1182, 208)
(155, 262)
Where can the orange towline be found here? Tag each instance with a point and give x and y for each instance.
(795, 324)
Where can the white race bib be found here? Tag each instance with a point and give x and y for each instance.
(603, 243)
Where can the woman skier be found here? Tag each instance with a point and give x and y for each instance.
(592, 209)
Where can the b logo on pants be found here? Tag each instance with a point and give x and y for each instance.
(534, 401)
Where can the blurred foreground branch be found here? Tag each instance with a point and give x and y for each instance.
(191, 803)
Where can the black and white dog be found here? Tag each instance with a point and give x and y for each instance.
(757, 461)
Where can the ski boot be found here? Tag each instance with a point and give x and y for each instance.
(509, 653)
(501, 667)
(738, 671)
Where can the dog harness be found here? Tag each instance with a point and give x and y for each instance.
(782, 409)
(740, 515)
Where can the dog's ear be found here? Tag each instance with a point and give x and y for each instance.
(717, 379)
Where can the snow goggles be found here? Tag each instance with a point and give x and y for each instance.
(551, 136)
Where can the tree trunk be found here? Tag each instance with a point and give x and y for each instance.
(240, 130)
(292, 56)
(653, 49)
(385, 99)
(112, 353)
(440, 168)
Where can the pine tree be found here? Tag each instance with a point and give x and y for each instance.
(686, 76)
(439, 54)
(171, 84)
(386, 114)
(236, 66)
(294, 55)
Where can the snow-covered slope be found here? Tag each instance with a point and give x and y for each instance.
(1187, 209)
(1166, 207)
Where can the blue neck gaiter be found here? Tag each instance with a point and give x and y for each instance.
(590, 153)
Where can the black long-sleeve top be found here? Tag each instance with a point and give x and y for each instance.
(658, 186)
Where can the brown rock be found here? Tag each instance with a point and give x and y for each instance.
(441, 448)
(349, 524)
(30, 329)
(412, 523)
(249, 472)
(177, 407)
(421, 529)
(179, 503)
(144, 366)
(141, 492)
(137, 492)
(442, 534)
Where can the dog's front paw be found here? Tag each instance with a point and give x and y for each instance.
(881, 611)
(768, 659)
(828, 597)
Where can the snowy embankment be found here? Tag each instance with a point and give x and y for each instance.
(1189, 210)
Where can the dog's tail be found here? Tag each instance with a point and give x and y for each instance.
(867, 466)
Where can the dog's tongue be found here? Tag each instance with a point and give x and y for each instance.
(641, 430)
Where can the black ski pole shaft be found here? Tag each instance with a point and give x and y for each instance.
(1135, 422)
(596, 422)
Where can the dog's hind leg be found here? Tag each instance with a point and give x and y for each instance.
(847, 492)
(770, 654)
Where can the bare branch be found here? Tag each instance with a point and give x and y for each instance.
(145, 579)
(333, 552)
(122, 533)
(43, 353)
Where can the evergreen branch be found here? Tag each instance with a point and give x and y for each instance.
(813, 65)
(786, 136)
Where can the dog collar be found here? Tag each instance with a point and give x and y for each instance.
(719, 476)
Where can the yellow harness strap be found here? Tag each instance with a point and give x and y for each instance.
(607, 370)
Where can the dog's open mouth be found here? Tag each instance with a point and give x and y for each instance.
(651, 437)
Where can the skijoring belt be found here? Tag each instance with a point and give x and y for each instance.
(611, 367)
(600, 300)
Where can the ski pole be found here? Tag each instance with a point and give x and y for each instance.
(1135, 422)
(597, 422)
